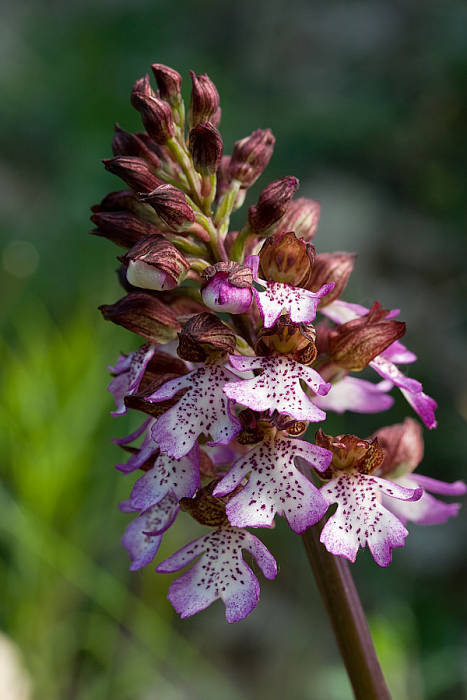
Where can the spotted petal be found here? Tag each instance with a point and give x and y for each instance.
(129, 371)
(204, 408)
(168, 476)
(428, 510)
(220, 572)
(275, 485)
(360, 517)
(278, 387)
(148, 449)
(143, 536)
(301, 304)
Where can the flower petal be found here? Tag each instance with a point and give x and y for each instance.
(275, 485)
(143, 536)
(168, 476)
(278, 387)
(360, 518)
(129, 370)
(221, 573)
(359, 395)
(204, 408)
(424, 406)
(427, 510)
(301, 304)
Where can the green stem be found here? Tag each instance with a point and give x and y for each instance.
(238, 248)
(182, 158)
(225, 207)
(216, 243)
(343, 605)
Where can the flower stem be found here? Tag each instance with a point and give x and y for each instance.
(343, 604)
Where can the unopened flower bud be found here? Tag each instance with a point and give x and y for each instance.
(331, 267)
(287, 259)
(251, 156)
(402, 445)
(205, 145)
(154, 263)
(272, 204)
(141, 88)
(204, 336)
(287, 338)
(126, 144)
(355, 343)
(134, 171)
(302, 216)
(204, 103)
(145, 315)
(350, 452)
(169, 82)
(171, 207)
(122, 227)
(228, 288)
(156, 116)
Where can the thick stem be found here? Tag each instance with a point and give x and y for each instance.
(343, 604)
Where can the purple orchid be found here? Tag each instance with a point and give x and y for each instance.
(204, 408)
(300, 304)
(128, 373)
(277, 388)
(361, 518)
(220, 572)
(143, 536)
(385, 364)
(358, 395)
(275, 485)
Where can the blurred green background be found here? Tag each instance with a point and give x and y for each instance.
(368, 106)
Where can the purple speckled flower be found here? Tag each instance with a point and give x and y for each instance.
(220, 572)
(340, 312)
(275, 485)
(277, 388)
(143, 536)
(220, 295)
(361, 519)
(128, 373)
(277, 297)
(204, 408)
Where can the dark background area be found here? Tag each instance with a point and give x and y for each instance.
(367, 101)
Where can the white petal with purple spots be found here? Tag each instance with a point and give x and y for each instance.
(278, 387)
(220, 572)
(361, 519)
(204, 408)
(301, 304)
(143, 536)
(275, 485)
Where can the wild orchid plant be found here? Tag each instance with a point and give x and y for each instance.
(235, 367)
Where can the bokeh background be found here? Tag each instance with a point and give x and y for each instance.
(367, 101)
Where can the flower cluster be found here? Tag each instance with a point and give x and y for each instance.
(234, 365)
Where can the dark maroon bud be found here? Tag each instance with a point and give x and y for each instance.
(251, 155)
(272, 204)
(142, 87)
(171, 207)
(155, 263)
(134, 171)
(204, 336)
(302, 217)
(156, 116)
(331, 267)
(204, 103)
(355, 343)
(205, 145)
(122, 228)
(169, 83)
(126, 144)
(206, 508)
(145, 315)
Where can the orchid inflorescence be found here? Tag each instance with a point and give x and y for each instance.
(234, 365)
